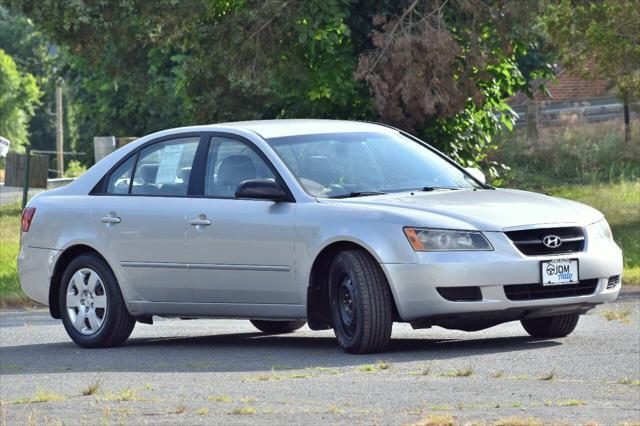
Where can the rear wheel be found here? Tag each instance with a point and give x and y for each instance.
(92, 307)
(361, 303)
(277, 327)
(557, 326)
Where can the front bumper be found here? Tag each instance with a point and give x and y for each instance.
(414, 285)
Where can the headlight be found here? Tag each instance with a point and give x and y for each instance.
(599, 230)
(422, 239)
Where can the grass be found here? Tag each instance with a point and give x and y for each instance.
(10, 291)
(622, 316)
(548, 376)
(41, 396)
(221, 398)
(461, 372)
(518, 421)
(436, 420)
(202, 411)
(123, 395)
(570, 403)
(243, 411)
(92, 388)
(628, 381)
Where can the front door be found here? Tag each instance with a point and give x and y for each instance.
(140, 218)
(239, 251)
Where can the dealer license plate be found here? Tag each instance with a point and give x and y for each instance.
(559, 272)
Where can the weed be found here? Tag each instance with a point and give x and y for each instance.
(180, 409)
(47, 396)
(498, 374)
(242, 411)
(124, 395)
(367, 368)
(518, 421)
(221, 398)
(628, 381)
(334, 409)
(202, 411)
(299, 376)
(443, 407)
(549, 376)
(463, 372)
(247, 400)
(92, 389)
(621, 316)
(436, 420)
(383, 365)
(570, 403)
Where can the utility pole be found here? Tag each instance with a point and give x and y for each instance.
(59, 130)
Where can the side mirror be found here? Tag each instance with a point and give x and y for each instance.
(261, 189)
(476, 173)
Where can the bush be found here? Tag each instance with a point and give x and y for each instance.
(75, 169)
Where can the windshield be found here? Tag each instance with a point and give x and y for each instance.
(338, 165)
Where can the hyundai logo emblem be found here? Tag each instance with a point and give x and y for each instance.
(552, 241)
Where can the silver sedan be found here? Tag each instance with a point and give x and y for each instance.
(343, 225)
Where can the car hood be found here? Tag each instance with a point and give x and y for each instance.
(485, 210)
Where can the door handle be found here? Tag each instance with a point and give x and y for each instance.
(200, 222)
(110, 219)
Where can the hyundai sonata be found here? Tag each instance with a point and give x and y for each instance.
(343, 225)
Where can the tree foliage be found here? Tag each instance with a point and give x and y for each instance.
(33, 54)
(439, 68)
(599, 39)
(19, 95)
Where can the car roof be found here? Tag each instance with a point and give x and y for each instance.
(292, 127)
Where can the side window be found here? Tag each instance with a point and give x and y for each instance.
(119, 180)
(229, 163)
(164, 168)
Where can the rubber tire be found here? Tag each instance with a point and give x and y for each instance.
(118, 323)
(373, 305)
(557, 326)
(278, 327)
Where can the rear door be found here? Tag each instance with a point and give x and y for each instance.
(239, 251)
(140, 217)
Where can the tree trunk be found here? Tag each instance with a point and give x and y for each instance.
(627, 123)
(532, 123)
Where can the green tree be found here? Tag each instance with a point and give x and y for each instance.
(19, 95)
(600, 39)
(33, 53)
(137, 66)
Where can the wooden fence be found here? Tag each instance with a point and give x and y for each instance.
(38, 170)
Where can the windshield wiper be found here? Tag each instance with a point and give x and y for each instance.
(358, 194)
(433, 188)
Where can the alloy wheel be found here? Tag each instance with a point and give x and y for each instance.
(86, 301)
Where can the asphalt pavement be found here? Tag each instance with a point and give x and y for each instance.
(226, 372)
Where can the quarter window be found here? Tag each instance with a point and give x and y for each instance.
(119, 180)
(229, 163)
(164, 168)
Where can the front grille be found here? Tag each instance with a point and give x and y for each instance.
(538, 291)
(613, 281)
(530, 241)
(461, 294)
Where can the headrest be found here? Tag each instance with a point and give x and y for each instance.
(148, 172)
(235, 169)
(319, 169)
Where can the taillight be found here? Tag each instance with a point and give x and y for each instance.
(27, 217)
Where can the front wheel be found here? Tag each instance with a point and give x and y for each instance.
(277, 327)
(557, 326)
(361, 303)
(92, 307)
